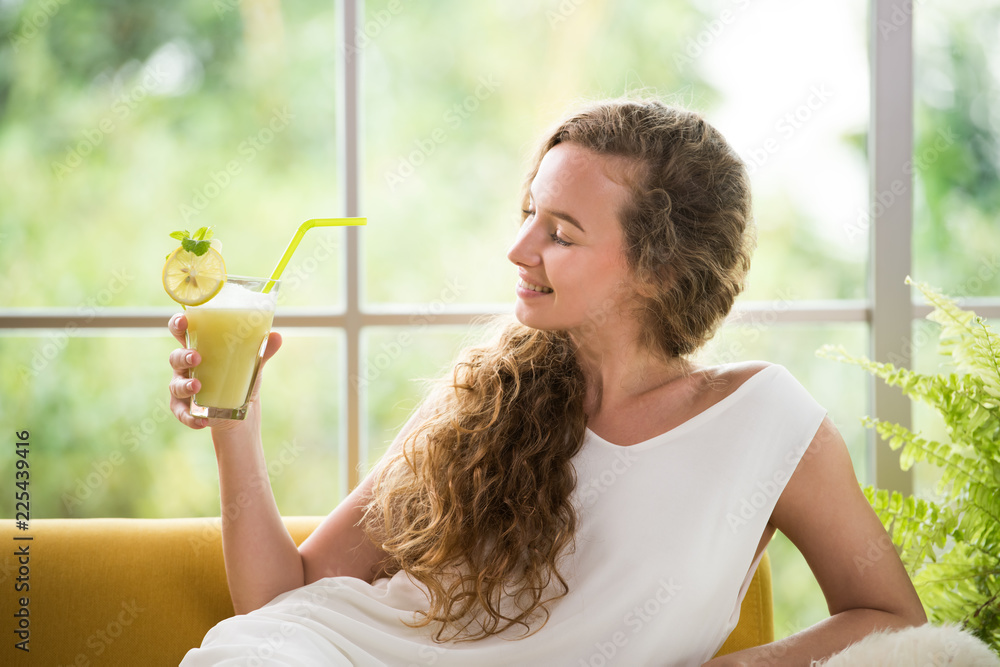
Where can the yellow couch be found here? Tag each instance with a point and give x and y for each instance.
(144, 591)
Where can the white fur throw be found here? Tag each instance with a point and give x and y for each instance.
(920, 646)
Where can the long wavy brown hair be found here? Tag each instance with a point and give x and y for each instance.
(476, 503)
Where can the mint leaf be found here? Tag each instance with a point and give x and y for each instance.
(199, 248)
(180, 236)
(203, 234)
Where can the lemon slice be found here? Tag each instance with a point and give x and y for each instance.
(192, 279)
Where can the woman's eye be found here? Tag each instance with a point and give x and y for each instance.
(554, 236)
(559, 241)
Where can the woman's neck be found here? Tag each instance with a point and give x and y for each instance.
(619, 375)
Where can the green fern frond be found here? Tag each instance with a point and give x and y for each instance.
(917, 527)
(966, 338)
(950, 546)
(958, 468)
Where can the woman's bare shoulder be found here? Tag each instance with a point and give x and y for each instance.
(727, 378)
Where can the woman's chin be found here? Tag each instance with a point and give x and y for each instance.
(525, 316)
(532, 320)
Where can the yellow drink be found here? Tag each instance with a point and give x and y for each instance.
(228, 341)
(229, 332)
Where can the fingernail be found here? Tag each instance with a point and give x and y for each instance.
(190, 357)
(190, 385)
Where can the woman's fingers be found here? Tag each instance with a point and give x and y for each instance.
(273, 345)
(177, 325)
(182, 387)
(183, 360)
(182, 411)
(181, 391)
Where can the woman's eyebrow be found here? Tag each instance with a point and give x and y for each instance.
(560, 214)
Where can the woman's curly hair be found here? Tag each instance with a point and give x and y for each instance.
(476, 504)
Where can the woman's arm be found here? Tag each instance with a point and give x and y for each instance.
(824, 513)
(261, 559)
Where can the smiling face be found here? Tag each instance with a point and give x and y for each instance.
(571, 266)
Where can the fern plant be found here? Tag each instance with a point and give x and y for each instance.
(950, 545)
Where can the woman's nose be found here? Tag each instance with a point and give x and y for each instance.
(524, 251)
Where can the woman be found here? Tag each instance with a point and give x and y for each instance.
(578, 491)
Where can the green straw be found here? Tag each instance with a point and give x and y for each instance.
(294, 243)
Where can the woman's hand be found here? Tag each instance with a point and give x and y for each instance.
(183, 386)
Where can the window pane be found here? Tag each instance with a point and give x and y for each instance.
(794, 102)
(396, 364)
(122, 122)
(104, 443)
(451, 122)
(956, 161)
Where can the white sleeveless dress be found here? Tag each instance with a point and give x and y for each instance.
(665, 550)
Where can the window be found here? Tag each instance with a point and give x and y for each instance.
(122, 123)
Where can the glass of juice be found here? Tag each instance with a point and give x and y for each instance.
(230, 331)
